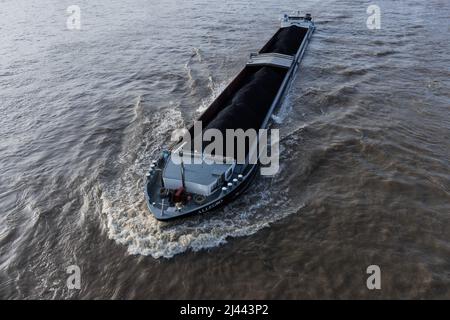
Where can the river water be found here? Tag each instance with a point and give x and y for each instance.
(365, 149)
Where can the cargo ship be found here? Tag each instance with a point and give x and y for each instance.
(179, 188)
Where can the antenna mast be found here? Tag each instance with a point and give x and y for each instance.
(182, 169)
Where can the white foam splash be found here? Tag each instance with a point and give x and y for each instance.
(216, 90)
(284, 110)
(127, 220)
(286, 105)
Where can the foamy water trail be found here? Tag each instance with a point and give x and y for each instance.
(127, 220)
(280, 115)
(286, 105)
(216, 90)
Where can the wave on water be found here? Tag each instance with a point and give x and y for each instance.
(127, 220)
(281, 113)
(286, 105)
(216, 90)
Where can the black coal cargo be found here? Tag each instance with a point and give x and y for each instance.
(287, 41)
(250, 104)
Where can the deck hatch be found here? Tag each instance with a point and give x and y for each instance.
(270, 59)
